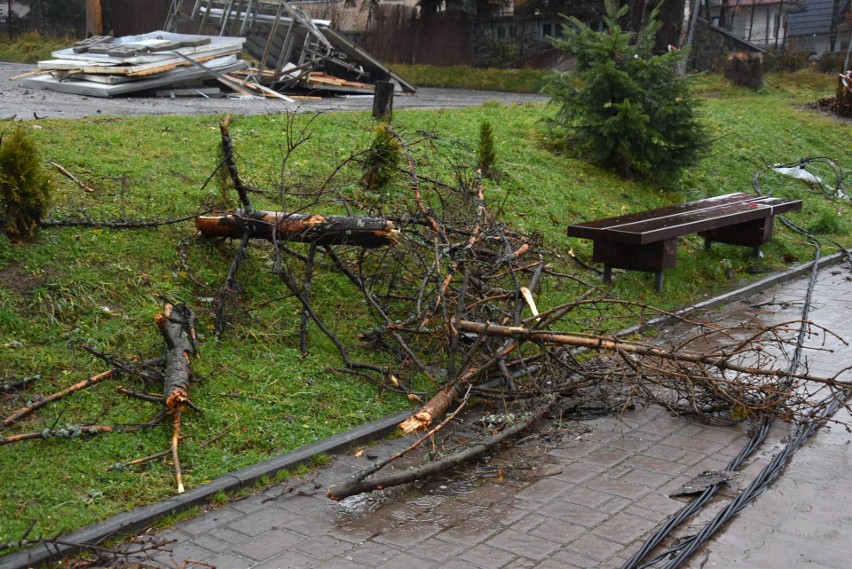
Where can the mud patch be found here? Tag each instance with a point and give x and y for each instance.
(19, 281)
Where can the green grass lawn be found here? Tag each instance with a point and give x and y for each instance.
(259, 395)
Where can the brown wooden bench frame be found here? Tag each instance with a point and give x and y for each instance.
(647, 240)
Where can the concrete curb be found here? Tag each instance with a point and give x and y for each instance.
(146, 515)
(201, 495)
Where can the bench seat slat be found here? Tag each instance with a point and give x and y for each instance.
(592, 229)
(701, 220)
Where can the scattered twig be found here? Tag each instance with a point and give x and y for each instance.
(29, 408)
(72, 177)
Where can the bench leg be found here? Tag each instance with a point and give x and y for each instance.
(658, 281)
(707, 244)
(607, 276)
(758, 254)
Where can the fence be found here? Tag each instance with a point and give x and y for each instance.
(68, 17)
(48, 17)
(395, 35)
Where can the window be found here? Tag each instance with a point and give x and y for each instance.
(546, 30)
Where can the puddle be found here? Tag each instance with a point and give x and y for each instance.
(461, 500)
(473, 497)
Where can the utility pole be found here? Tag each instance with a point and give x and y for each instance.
(94, 18)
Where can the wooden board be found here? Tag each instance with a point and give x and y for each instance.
(93, 89)
(145, 64)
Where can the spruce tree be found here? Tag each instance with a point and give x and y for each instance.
(624, 107)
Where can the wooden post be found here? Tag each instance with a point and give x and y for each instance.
(383, 101)
(843, 101)
(94, 18)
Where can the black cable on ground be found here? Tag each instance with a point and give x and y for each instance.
(805, 428)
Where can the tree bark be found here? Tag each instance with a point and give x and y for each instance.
(176, 324)
(94, 18)
(383, 101)
(368, 232)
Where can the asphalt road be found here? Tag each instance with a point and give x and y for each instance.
(24, 103)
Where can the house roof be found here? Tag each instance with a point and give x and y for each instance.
(815, 19)
(790, 5)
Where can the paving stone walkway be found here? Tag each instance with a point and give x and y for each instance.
(574, 494)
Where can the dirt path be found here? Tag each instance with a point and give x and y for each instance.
(24, 103)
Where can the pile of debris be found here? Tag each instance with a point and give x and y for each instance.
(292, 53)
(293, 50)
(103, 66)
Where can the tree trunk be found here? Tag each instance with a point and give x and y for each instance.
(94, 18)
(843, 101)
(176, 325)
(671, 19)
(368, 232)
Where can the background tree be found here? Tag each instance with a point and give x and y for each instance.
(58, 15)
(624, 107)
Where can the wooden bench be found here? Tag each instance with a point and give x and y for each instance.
(647, 241)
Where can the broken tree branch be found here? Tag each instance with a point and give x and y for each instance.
(358, 484)
(721, 362)
(231, 164)
(24, 411)
(437, 406)
(368, 232)
(74, 431)
(176, 324)
(72, 177)
(174, 451)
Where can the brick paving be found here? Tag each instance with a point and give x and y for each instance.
(585, 495)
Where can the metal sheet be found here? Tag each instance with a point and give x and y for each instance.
(93, 89)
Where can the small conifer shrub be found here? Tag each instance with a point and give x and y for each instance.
(24, 186)
(381, 163)
(487, 153)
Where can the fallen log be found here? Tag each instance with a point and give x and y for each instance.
(367, 232)
(176, 324)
